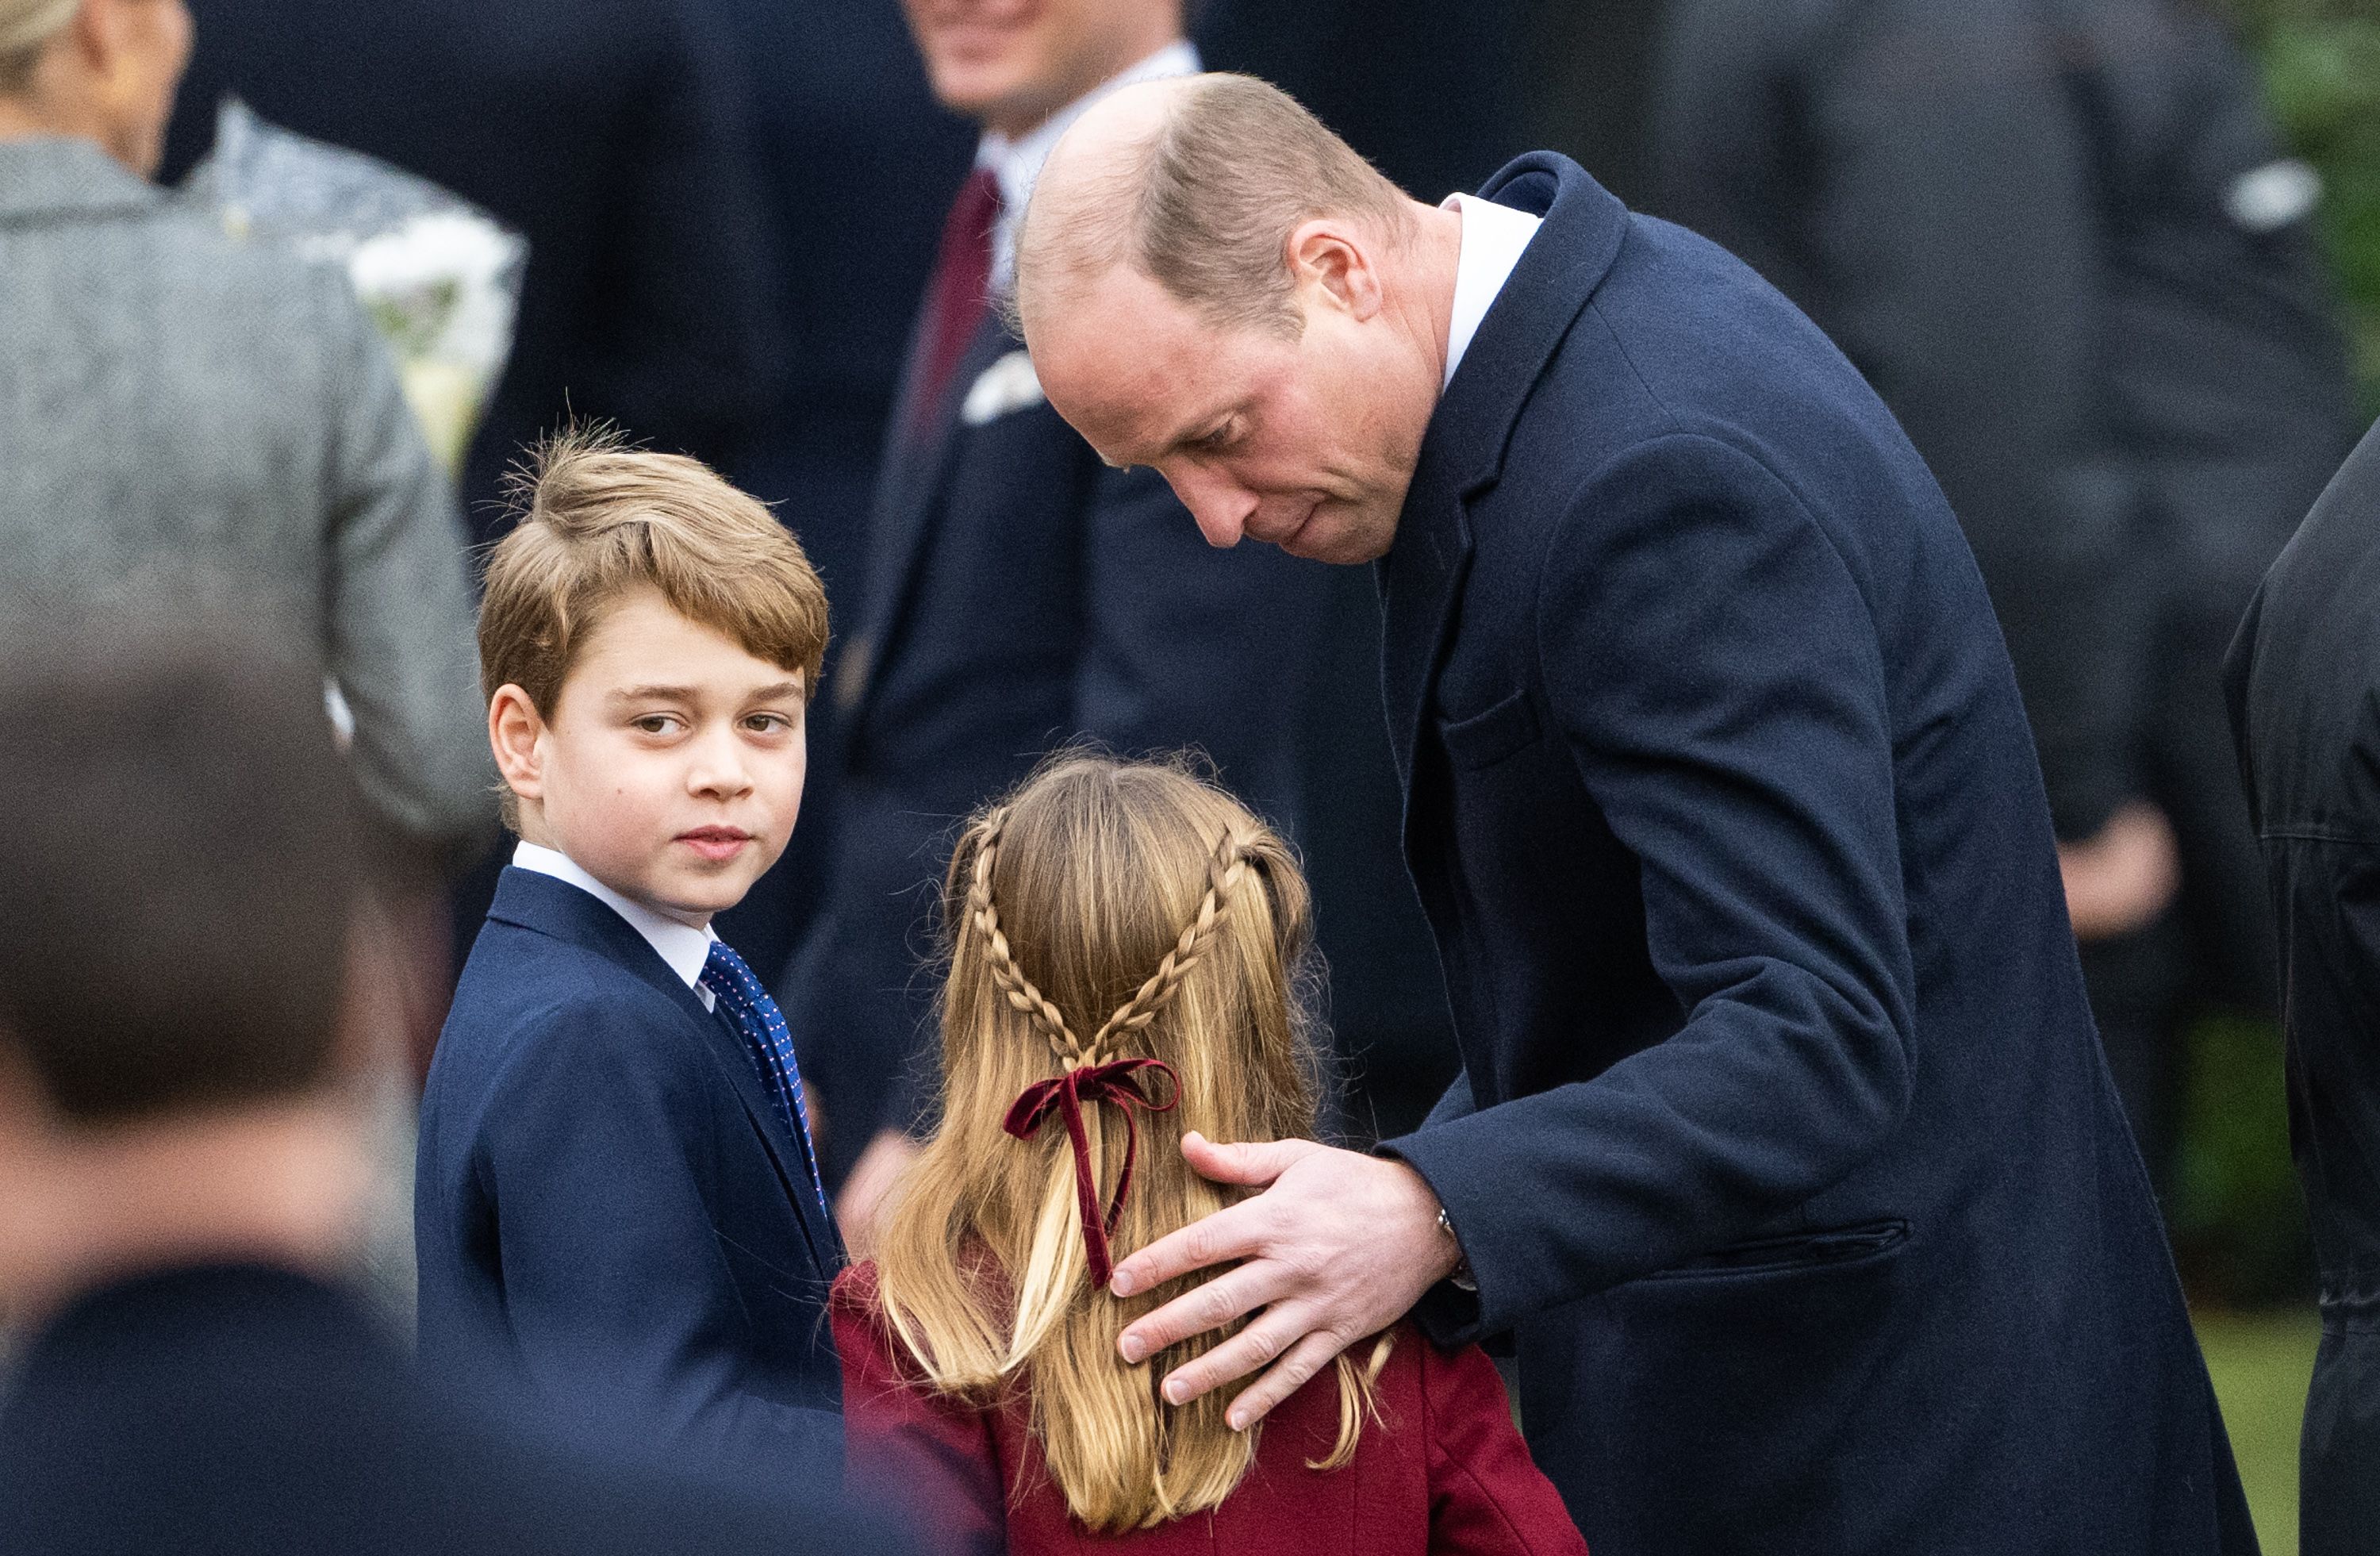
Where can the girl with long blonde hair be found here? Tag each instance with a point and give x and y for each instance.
(1125, 946)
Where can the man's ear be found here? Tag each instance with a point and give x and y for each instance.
(1330, 263)
(516, 735)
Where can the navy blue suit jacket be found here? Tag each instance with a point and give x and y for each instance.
(1021, 594)
(1785, 1146)
(605, 1201)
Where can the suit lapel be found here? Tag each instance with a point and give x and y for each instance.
(555, 908)
(916, 469)
(1462, 454)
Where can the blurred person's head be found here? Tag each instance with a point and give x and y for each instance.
(1010, 63)
(1105, 911)
(1214, 285)
(177, 869)
(648, 640)
(104, 70)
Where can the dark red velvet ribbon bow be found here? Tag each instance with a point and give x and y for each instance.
(1116, 1081)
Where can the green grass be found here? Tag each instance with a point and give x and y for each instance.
(2260, 1363)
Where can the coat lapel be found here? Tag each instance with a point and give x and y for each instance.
(1462, 454)
(915, 471)
(1422, 576)
(555, 908)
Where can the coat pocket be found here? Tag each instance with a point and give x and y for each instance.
(1798, 1377)
(1762, 1256)
(1486, 737)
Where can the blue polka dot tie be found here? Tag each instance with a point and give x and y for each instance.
(752, 1013)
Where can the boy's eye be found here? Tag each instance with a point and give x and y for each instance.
(769, 724)
(656, 724)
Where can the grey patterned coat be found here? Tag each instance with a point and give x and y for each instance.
(185, 418)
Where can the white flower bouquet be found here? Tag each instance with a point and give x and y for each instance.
(440, 277)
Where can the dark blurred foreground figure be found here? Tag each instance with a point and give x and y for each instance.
(2303, 680)
(176, 410)
(178, 1157)
(2059, 238)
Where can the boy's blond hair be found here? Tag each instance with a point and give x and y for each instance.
(597, 518)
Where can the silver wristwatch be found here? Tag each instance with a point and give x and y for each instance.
(1462, 1275)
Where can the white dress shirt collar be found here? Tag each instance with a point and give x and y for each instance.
(1493, 236)
(684, 947)
(1017, 162)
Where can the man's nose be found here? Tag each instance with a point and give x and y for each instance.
(1220, 506)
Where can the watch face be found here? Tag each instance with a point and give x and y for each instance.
(1461, 1275)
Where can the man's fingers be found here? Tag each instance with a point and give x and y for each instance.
(1210, 1305)
(1287, 1375)
(1273, 1333)
(1253, 1165)
(1226, 1234)
(1229, 1233)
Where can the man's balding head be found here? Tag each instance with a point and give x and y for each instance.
(1214, 285)
(1196, 182)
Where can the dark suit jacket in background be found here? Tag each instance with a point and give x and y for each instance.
(607, 1206)
(251, 1411)
(1785, 1151)
(2303, 677)
(610, 132)
(2019, 219)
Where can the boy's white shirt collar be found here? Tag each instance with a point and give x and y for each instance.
(684, 947)
(1017, 162)
(1493, 236)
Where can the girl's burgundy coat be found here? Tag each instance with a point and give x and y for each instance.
(1442, 1469)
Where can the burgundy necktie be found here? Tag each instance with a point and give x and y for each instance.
(955, 302)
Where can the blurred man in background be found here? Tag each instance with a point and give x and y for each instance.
(2303, 679)
(1020, 594)
(179, 1169)
(2061, 242)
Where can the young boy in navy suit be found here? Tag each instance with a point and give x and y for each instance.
(617, 1201)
